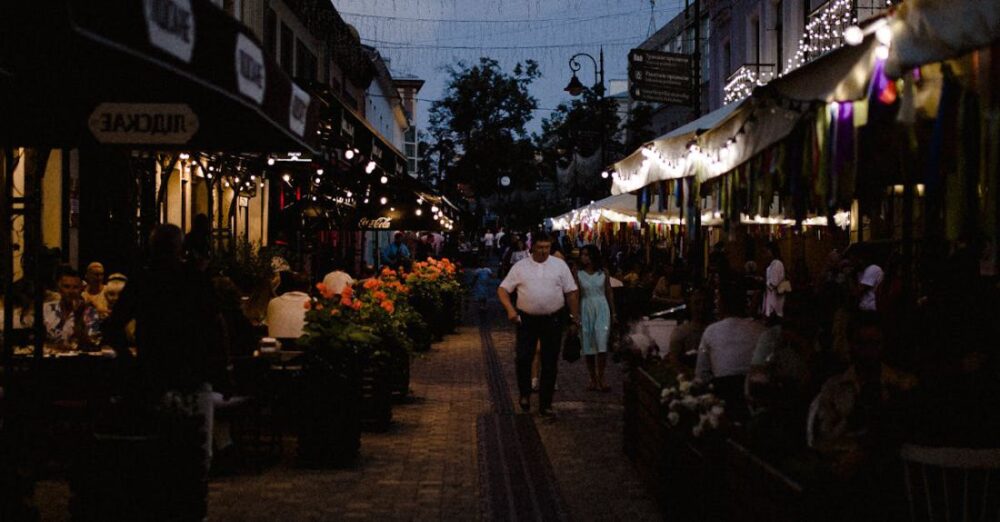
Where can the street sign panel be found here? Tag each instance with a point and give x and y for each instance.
(660, 77)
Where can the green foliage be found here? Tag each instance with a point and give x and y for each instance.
(246, 263)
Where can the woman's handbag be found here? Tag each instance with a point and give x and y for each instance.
(784, 287)
(571, 347)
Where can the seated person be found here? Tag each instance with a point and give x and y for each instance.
(113, 290)
(849, 419)
(71, 321)
(93, 293)
(686, 338)
(779, 371)
(286, 314)
(727, 347)
(336, 280)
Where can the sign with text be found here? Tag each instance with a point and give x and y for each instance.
(170, 24)
(381, 223)
(660, 77)
(145, 123)
(251, 74)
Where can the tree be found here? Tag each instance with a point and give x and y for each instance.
(478, 128)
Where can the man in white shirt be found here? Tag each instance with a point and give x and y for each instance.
(869, 280)
(727, 346)
(488, 243)
(286, 314)
(336, 281)
(544, 285)
(774, 300)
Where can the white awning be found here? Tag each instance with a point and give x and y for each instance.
(927, 31)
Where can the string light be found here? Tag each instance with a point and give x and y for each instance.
(270, 161)
(383, 200)
(384, 179)
(349, 154)
(370, 167)
(319, 172)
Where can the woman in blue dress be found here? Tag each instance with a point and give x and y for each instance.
(597, 312)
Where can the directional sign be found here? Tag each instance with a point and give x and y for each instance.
(660, 77)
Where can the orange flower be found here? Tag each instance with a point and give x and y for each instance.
(372, 283)
(345, 300)
(388, 306)
(307, 305)
(445, 260)
(334, 311)
(347, 292)
(327, 293)
(387, 271)
(356, 305)
(380, 296)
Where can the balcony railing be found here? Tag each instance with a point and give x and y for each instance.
(742, 82)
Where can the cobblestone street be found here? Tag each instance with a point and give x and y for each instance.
(427, 467)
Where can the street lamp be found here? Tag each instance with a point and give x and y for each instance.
(575, 88)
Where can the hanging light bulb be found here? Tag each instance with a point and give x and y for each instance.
(853, 35)
(349, 154)
(253, 177)
(317, 181)
(370, 167)
(383, 200)
(366, 201)
(384, 179)
(270, 161)
(287, 178)
(419, 212)
(185, 155)
(349, 194)
(434, 209)
(605, 174)
(319, 172)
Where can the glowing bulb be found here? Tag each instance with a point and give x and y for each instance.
(314, 198)
(185, 155)
(270, 161)
(366, 200)
(383, 200)
(884, 34)
(349, 154)
(319, 172)
(882, 52)
(434, 209)
(370, 167)
(253, 177)
(317, 181)
(420, 201)
(287, 178)
(419, 212)
(349, 194)
(392, 209)
(853, 35)
(384, 179)
(604, 174)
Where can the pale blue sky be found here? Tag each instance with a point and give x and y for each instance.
(423, 36)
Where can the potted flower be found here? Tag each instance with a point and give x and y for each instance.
(435, 294)
(336, 343)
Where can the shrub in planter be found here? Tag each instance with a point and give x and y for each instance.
(434, 293)
(337, 344)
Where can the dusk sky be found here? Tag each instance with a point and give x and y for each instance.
(421, 37)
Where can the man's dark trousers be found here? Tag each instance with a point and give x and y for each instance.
(548, 330)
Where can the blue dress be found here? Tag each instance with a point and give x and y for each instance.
(595, 314)
(482, 286)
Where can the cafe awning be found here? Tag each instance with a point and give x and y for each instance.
(927, 31)
(144, 73)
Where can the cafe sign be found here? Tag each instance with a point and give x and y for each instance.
(380, 223)
(143, 123)
(171, 26)
(251, 76)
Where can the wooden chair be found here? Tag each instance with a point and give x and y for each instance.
(952, 484)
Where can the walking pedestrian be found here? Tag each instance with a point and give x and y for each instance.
(774, 296)
(544, 286)
(488, 240)
(597, 312)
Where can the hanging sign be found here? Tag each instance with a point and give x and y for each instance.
(143, 123)
(660, 77)
(381, 223)
(251, 76)
(171, 26)
(298, 109)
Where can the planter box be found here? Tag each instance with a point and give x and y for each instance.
(376, 394)
(399, 377)
(329, 413)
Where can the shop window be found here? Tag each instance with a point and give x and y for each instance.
(271, 32)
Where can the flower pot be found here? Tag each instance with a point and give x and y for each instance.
(376, 394)
(329, 411)
(399, 375)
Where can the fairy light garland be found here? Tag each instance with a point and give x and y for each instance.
(824, 33)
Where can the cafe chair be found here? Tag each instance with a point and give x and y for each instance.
(952, 484)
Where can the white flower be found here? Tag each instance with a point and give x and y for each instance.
(713, 420)
(674, 418)
(664, 393)
(689, 402)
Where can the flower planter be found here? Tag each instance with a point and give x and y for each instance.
(399, 375)
(329, 412)
(376, 394)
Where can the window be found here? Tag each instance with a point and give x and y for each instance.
(287, 47)
(305, 62)
(727, 59)
(779, 35)
(706, 51)
(271, 32)
(753, 40)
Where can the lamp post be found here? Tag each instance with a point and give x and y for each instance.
(575, 88)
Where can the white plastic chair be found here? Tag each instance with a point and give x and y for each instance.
(952, 484)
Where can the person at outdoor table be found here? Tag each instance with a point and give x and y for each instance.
(336, 281)
(686, 338)
(396, 254)
(71, 321)
(286, 314)
(180, 354)
(597, 313)
(544, 285)
(869, 281)
(93, 293)
(727, 346)
(774, 298)
(853, 413)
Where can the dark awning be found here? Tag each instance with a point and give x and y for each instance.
(156, 73)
